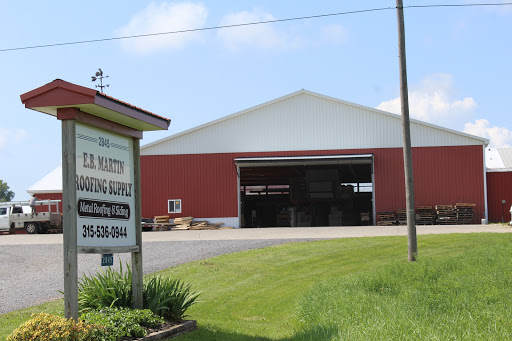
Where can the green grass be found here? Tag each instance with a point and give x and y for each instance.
(462, 297)
(280, 292)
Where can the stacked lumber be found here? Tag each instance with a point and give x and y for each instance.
(464, 213)
(204, 225)
(424, 215)
(188, 223)
(182, 223)
(402, 216)
(446, 215)
(386, 218)
(161, 222)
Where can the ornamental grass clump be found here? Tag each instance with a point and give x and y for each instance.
(168, 298)
(109, 288)
(46, 327)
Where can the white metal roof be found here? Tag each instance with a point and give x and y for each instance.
(51, 183)
(305, 120)
(498, 159)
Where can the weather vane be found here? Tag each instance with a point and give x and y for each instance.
(99, 75)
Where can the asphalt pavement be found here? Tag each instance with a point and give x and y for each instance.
(31, 266)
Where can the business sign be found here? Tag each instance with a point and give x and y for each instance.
(104, 188)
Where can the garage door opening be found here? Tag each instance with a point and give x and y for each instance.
(329, 190)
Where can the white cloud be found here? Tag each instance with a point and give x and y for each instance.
(335, 34)
(498, 136)
(434, 100)
(262, 35)
(164, 17)
(6, 136)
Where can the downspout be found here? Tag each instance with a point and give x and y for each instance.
(374, 213)
(238, 196)
(486, 213)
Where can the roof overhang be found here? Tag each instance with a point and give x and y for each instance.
(42, 191)
(498, 170)
(280, 161)
(61, 94)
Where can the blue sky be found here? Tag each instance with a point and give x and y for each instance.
(458, 60)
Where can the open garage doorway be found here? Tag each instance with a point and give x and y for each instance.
(327, 190)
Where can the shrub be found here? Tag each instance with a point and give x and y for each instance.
(46, 327)
(164, 296)
(109, 288)
(123, 322)
(168, 298)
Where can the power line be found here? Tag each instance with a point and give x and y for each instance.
(460, 5)
(245, 24)
(194, 29)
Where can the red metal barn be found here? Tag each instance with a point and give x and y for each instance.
(499, 183)
(306, 159)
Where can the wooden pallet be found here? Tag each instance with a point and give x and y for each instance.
(465, 213)
(402, 216)
(424, 215)
(386, 218)
(161, 222)
(446, 215)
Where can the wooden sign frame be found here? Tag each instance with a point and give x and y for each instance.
(73, 104)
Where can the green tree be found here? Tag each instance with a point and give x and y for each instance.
(5, 193)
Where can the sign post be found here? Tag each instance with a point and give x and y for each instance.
(101, 177)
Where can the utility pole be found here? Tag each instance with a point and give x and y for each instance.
(406, 132)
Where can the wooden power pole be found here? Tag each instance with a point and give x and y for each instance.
(406, 131)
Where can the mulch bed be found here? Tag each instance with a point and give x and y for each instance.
(166, 331)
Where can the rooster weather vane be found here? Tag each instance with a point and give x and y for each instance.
(99, 76)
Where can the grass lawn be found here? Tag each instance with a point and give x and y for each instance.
(358, 288)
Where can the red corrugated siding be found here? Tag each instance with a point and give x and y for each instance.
(49, 196)
(206, 183)
(499, 187)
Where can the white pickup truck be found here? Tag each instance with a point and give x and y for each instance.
(17, 215)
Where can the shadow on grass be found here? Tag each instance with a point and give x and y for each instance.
(318, 333)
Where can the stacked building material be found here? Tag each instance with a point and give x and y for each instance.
(303, 219)
(424, 215)
(402, 216)
(446, 215)
(464, 213)
(188, 223)
(335, 217)
(183, 223)
(161, 222)
(386, 218)
(365, 218)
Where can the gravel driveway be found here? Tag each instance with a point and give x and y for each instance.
(32, 274)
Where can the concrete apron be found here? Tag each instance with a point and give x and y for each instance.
(331, 232)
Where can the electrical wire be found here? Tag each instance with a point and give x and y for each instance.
(246, 24)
